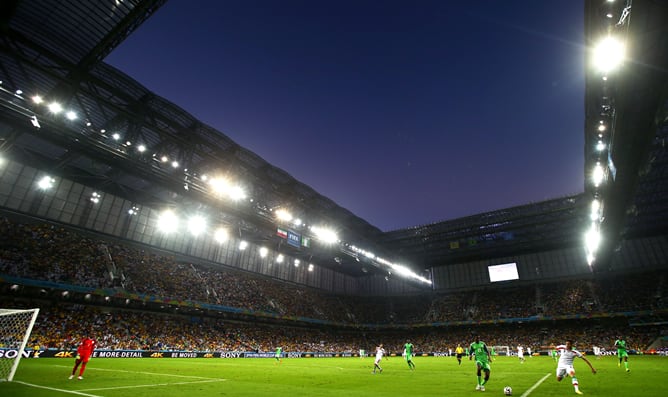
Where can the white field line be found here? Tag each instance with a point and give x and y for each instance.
(55, 389)
(157, 384)
(145, 373)
(532, 388)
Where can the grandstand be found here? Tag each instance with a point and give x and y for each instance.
(91, 237)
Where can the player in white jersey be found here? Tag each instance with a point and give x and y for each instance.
(520, 354)
(380, 352)
(565, 365)
(597, 352)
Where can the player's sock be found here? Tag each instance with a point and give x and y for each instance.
(626, 365)
(575, 384)
(480, 380)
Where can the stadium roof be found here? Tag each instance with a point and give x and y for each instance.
(635, 196)
(56, 48)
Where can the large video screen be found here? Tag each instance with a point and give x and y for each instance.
(504, 272)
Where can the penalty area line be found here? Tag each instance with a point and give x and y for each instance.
(55, 389)
(532, 388)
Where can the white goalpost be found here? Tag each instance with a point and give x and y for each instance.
(502, 350)
(15, 328)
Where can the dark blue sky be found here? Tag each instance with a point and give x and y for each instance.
(403, 112)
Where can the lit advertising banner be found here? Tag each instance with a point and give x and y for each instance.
(129, 354)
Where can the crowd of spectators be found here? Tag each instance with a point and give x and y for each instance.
(47, 252)
(61, 325)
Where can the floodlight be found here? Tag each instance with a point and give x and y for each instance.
(71, 115)
(402, 270)
(325, 235)
(218, 185)
(595, 210)
(45, 183)
(167, 222)
(55, 107)
(237, 193)
(279, 258)
(600, 146)
(598, 175)
(296, 262)
(283, 215)
(592, 239)
(37, 99)
(243, 245)
(196, 225)
(141, 148)
(609, 54)
(263, 252)
(310, 267)
(115, 135)
(221, 235)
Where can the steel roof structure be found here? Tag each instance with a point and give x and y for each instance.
(57, 47)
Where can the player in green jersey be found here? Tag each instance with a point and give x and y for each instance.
(482, 361)
(278, 354)
(408, 352)
(622, 353)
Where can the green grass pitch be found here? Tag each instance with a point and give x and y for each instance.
(434, 376)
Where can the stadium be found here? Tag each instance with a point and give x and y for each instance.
(190, 260)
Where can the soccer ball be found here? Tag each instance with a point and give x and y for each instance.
(508, 391)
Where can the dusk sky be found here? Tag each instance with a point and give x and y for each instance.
(403, 112)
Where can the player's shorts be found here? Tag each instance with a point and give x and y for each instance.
(409, 357)
(84, 358)
(484, 365)
(563, 370)
(460, 355)
(622, 353)
(520, 355)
